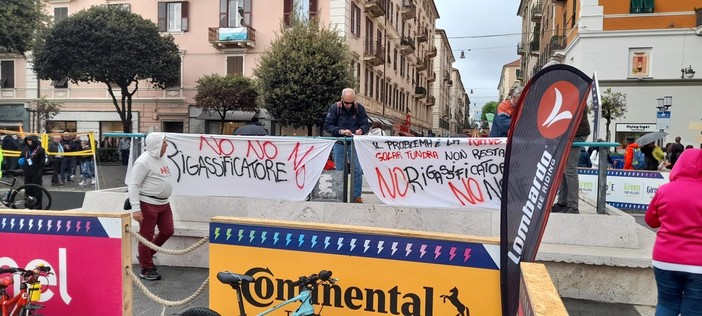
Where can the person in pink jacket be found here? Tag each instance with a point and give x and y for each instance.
(676, 210)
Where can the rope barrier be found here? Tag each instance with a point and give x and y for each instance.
(163, 302)
(166, 250)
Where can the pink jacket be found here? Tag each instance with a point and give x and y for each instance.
(677, 210)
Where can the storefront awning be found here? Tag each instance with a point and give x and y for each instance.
(375, 118)
(236, 116)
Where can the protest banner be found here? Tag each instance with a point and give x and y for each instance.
(434, 172)
(255, 167)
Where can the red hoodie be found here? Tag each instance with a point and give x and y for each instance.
(677, 210)
(629, 156)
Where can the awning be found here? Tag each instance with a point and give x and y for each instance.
(375, 118)
(416, 132)
(235, 116)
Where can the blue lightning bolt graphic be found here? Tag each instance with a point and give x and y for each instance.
(216, 233)
(437, 252)
(229, 233)
(326, 242)
(240, 234)
(394, 248)
(263, 237)
(366, 245)
(288, 239)
(314, 240)
(353, 244)
(31, 224)
(275, 237)
(21, 223)
(408, 250)
(252, 235)
(301, 240)
(380, 246)
(340, 243)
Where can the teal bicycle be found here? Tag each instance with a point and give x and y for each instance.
(236, 281)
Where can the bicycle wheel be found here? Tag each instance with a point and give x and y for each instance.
(30, 196)
(200, 311)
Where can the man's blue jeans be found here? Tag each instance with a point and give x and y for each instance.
(678, 292)
(340, 162)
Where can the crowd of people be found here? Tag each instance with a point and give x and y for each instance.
(650, 156)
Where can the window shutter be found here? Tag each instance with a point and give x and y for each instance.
(313, 9)
(184, 11)
(287, 12)
(235, 65)
(223, 19)
(247, 13)
(162, 21)
(7, 73)
(358, 20)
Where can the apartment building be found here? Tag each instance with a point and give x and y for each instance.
(509, 78)
(441, 95)
(646, 49)
(390, 40)
(459, 103)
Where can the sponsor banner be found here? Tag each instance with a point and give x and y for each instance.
(434, 172)
(69, 245)
(215, 165)
(548, 113)
(626, 189)
(406, 273)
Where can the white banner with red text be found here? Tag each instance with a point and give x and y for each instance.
(433, 172)
(245, 166)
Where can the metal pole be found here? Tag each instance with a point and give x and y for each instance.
(346, 173)
(352, 164)
(603, 152)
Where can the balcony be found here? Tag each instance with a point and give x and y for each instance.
(422, 37)
(520, 48)
(421, 64)
(431, 77)
(431, 100)
(432, 52)
(375, 8)
(536, 12)
(450, 83)
(409, 10)
(534, 47)
(373, 53)
(406, 46)
(232, 37)
(420, 92)
(447, 75)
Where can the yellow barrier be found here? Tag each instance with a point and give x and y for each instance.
(87, 252)
(46, 137)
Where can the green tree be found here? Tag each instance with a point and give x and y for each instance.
(45, 111)
(489, 107)
(223, 94)
(302, 72)
(21, 23)
(613, 108)
(112, 46)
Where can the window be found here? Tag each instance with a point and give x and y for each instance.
(369, 30)
(60, 14)
(355, 20)
(172, 127)
(234, 13)
(641, 6)
(7, 74)
(303, 10)
(68, 126)
(377, 88)
(60, 84)
(173, 16)
(372, 77)
(235, 65)
(124, 6)
(365, 84)
(394, 60)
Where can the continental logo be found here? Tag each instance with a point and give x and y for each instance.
(557, 109)
(269, 290)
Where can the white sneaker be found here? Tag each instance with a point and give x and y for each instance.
(92, 181)
(82, 183)
(73, 176)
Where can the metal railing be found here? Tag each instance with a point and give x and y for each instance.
(601, 171)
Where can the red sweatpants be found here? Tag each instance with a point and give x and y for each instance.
(154, 216)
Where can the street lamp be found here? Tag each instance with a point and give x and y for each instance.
(663, 115)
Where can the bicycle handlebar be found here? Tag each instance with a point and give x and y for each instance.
(324, 276)
(38, 271)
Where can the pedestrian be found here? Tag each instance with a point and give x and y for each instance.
(584, 159)
(377, 129)
(347, 118)
(503, 119)
(86, 165)
(629, 153)
(56, 161)
(689, 147)
(676, 210)
(32, 162)
(431, 134)
(10, 143)
(69, 162)
(651, 163)
(676, 150)
(149, 189)
(124, 146)
(569, 193)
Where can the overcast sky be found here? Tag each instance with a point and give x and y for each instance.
(480, 70)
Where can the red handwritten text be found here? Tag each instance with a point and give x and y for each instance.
(469, 195)
(221, 147)
(266, 150)
(298, 164)
(394, 191)
(387, 156)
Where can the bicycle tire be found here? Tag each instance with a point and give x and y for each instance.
(46, 197)
(200, 311)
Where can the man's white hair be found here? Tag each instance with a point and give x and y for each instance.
(348, 90)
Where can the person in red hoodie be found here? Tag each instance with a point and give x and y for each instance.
(629, 154)
(676, 209)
